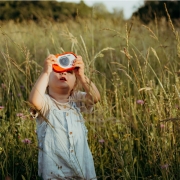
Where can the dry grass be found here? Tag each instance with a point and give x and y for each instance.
(134, 130)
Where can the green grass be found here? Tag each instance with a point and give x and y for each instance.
(128, 62)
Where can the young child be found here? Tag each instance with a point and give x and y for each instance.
(62, 136)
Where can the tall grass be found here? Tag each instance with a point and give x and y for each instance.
(134, 130)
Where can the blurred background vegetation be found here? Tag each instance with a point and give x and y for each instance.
(152, 9)
(61, 11)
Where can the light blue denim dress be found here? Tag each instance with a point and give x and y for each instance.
(62, 139)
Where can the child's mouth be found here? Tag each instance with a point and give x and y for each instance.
(63, 79)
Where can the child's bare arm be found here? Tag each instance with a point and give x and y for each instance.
(39, 89)
(93, 95)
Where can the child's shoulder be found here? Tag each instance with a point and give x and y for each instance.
(47, 98)
(47, 103)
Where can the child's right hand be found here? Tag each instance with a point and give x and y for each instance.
(50, 60)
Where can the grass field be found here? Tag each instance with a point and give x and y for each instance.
(134, 130)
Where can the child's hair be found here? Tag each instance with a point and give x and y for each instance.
(77, 86)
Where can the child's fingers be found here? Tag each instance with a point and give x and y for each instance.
(78, 64)
(51, 56)
(79, 57)
(51, 59)
(78, 61)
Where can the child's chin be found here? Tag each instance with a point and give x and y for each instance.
(63, 85)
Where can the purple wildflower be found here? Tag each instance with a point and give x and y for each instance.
(1, 107)
(23, 117)
(20, 115)
(177, 107)
(3, 85)
(165, 166)
(22, 87)
(141, 102)
(162, 126)
(101, 141)
(26, 141)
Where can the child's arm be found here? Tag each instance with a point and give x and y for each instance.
(93, 95)
(39, 89)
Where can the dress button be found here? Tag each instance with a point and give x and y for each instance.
(72, 151)
(70, 133)
(67, 114)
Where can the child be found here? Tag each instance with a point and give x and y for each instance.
(62, 136)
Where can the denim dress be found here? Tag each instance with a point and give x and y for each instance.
(62, 140)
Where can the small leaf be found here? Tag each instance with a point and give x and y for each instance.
(145, 88)
(155, 54)
(23, 178)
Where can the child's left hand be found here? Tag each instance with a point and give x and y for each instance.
(79, 64)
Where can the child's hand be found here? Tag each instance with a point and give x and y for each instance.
(79, 64)
(50, 60)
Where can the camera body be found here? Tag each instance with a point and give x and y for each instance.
(64, 62)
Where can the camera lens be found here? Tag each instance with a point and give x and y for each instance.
(64, 61)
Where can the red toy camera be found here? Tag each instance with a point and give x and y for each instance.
(64, 62)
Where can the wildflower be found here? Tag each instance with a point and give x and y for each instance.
(1, 107)
(101, 141)
(162, 126)
(3, 85)
(141, 102)
(23, 117)
(19, 114)
(19, 94)
(177, 107)
(26, 141)
(22, 87)
(165, 166)
(8, 178)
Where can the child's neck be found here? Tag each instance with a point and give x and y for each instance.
(61, 97)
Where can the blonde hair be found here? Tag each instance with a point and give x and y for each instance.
(77, 86)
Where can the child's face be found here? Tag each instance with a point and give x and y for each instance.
(64, 80)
